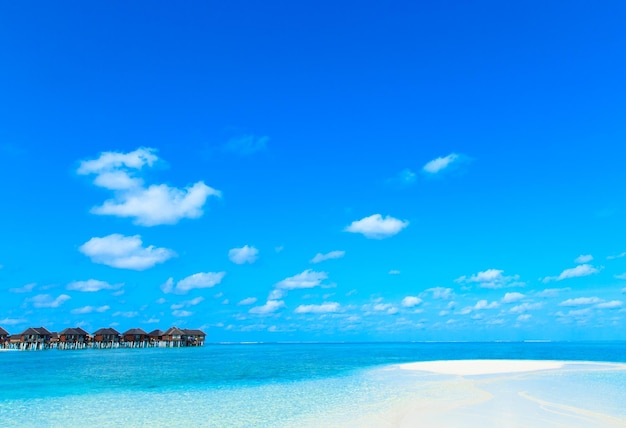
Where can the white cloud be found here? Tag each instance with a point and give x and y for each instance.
(159, 204)
(524, 307)
(197, 280)
(12, 321)
(181, 313)
(269, 307)
(243, 255)
(583, 258)
(411, 301)
(126, 314)
(247, 301)
(148, 206)
(394, 272)
(47, 301)
(377, 227)
(581, 301)
(441, 293)
(246, 144)
(618, 256)
(191, 302)
(307, 279)
(276, 294)
(491, 278)
(319, 257)
(439, 164)
(90, 309)
(92, 285)
(613, 304)
(621, 276)
(484, 304)
(25, 289)
(324, 308)
(524, 317)
(551, 292)
(578, 271)
(124, 252)
(512, 297)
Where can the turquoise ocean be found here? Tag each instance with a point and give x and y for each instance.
(267, 385)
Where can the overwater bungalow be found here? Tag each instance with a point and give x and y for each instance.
(156, 338)
(4, 338)
(174, 337)
(194, 337)
(74, 338)
(34, 338)
(106, 338)
(135, 338)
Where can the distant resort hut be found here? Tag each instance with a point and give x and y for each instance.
(173, 337)
(33, 339)
(194, 337)
(135, 338)
(106, 338)
(156, 338)
(4, 338)
(73, 338)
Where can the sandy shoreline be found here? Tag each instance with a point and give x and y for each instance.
(483, 367)
(509, 398)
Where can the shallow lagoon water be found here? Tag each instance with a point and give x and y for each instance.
(277, 384)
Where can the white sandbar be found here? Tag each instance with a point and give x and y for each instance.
(482, 367)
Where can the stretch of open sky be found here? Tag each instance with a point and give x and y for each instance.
(315, 170)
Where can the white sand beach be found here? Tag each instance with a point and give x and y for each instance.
(498, 393)
(482, 367)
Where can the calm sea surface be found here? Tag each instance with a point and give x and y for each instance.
(254, 385)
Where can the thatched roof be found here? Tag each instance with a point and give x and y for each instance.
(173, 331)
(156, 333)
(3, 332)
(192, 332)
(106, 331)
(134, 332)
(37, 331)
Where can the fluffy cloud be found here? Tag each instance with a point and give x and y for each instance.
(441, 293)
(25, 289)
(583, 258)
(551, 292)
(243, 255)
(307, 279)
(192, 302)
(148, 206)
(581, 301)
(578, 271)
(439, 164)
(126, 314)
(491, 278)
(124, 252)
(524, 317)
(269, 307)
(377, 227)
(181, 313)
(246, 144)
(47, 301)
(247, 301)
(618, 256)
(524, 307)
(90, 309)
(12, 321)
(324, 308)
(394, 272)
(613, 304)
(319, 257)
(411, 301)
(512, 297)
(92, 285)
(197, 280)
(484, 304)
(621, 276)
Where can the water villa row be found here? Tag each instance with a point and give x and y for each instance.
(39, 338)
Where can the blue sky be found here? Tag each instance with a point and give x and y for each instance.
(315, 171)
